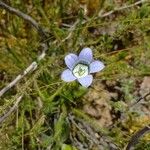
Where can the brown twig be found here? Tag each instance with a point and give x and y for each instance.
(141, 98)
(90, 137)
(121, 8)
(29, 69)
(2, 118)
(29, 19)
(23, 16)
(45, 45)
(135, 138)
(71, 29)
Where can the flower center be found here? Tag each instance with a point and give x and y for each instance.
(80, 70)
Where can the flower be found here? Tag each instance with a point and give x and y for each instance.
(80, 67)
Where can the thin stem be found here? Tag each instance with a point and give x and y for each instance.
(44, 45)
(2, 118)
(23, 16)
(135, 138)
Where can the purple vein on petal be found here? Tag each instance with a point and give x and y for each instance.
(86, 81)
(71, 60)
(96, 66)
(86, 54)
(67, 76)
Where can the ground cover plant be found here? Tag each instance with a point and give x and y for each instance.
(39, 110)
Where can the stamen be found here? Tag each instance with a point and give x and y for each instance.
(80, 70)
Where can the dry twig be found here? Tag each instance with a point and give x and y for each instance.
(29, 69)
(23, 16)
(135, 138)
(121, 8)
(45, 45)
(2, 118)
(29, 19)
(140, 99)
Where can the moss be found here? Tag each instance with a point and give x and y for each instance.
(42, 119)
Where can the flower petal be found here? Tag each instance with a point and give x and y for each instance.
(71, 60)
(96, 66)
(67, 76)
(86, 81)
(86, 54)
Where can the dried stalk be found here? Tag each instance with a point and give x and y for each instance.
(140, 99)
(2, 118)
(121, 8)
(45, 45)
(29, 69)
(41, 31)
(135, 138)
(23, 16)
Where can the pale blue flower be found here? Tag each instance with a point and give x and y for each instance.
(80, 67)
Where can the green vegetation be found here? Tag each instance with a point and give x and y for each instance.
(56, 115)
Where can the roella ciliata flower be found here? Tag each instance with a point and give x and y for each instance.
(80, 67)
